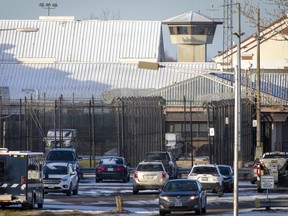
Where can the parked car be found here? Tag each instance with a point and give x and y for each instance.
(209, 177)
(183, 195)
(168, 161)
(60, 177)
(149, 176)
(67, 155)
(112, 168)
(62, 138)
(228, 177)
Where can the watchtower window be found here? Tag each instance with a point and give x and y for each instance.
(182, 30)
(198, 30)
(211, 30)
(173, 30)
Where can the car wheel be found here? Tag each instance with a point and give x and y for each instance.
(69, 191)
(135, 191)
(204, 210)
(220, 193)
(40, 205)
(259, 189)
(162, 212)
(199, 210)
(75, 191)
(231, 190)
(33, 204)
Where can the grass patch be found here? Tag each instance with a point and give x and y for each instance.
(86, 163)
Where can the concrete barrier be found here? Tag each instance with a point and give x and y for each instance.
(268, 203)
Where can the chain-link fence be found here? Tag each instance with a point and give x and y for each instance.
(129, 126)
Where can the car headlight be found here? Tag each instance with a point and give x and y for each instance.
(65, 178)
(164, 198)
(193, 197)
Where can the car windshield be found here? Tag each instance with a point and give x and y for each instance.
(224, 170)
(60, 156)
(155, 157)
(181, 186)
(150, 167)
(48, 169)
(275, 156)
(205, 170)
(111, 161)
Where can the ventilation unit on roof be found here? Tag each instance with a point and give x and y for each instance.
(57, 18)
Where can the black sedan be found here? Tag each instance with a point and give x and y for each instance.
(182, 195)
(228, 177)
(112, 168)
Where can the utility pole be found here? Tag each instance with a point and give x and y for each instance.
(259, 148)
(237, 114)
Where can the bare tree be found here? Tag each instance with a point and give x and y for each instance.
(106, 15)
(275, 10)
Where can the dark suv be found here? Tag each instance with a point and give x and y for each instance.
(167, 160)
(67, 155)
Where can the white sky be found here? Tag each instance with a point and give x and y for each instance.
(156, 10)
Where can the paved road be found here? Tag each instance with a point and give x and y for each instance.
(102, 195)
(96, 198)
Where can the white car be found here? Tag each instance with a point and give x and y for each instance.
(149, 176)
(209, 177)
(60, 177)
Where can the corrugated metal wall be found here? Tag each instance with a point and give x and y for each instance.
(81, 40)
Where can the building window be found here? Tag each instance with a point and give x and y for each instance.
(173, 30)
(199, 129)
(211, 30)
(182, 30)
(198, 30)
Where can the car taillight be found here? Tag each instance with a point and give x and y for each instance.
(120, 168)
(163, 174)
(23, 180)
(258, 170)
(135, 174)
(100, 168)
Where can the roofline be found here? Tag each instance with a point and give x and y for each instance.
(192, 23)
(252, 36)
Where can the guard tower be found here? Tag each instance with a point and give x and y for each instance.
(192, 32)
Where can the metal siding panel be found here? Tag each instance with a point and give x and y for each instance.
(73, 41)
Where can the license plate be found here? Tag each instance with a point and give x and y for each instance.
(204, 179)
(50, 186)
(110, 169)
(178, 204)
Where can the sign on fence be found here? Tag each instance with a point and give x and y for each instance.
(267, 182)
